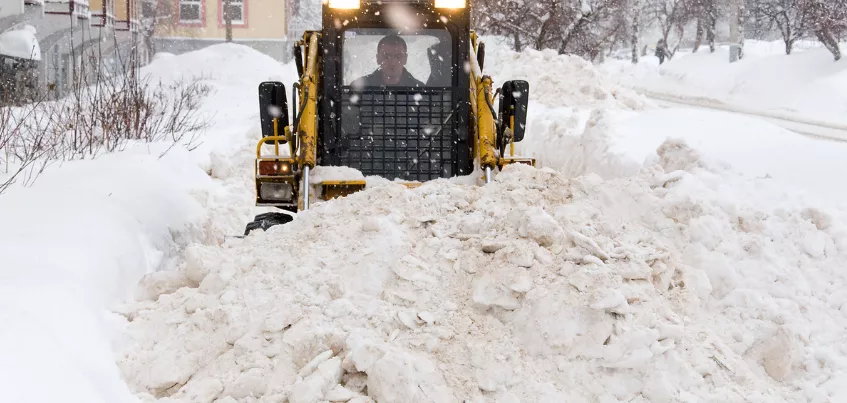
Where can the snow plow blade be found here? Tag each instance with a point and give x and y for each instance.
(335, 189)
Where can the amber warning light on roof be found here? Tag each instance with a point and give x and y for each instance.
(344, 4)
(355, 4)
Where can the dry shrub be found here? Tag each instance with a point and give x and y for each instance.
(106, 118)
(94, 119)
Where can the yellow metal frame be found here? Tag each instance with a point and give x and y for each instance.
(309, 82)
(484, 141)
(303, 153)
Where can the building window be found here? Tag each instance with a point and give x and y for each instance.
(190, 11)
(235, 10)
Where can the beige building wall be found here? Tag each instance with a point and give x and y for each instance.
(121, 7)
(265, 19)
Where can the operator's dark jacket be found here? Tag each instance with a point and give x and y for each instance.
(375, 80)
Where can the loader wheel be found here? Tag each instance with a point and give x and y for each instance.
(267, 220)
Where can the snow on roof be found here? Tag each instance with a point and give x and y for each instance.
(21, 43)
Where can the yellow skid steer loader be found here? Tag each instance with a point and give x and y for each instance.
(391, 88)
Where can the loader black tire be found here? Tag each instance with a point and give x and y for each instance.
(266, 220)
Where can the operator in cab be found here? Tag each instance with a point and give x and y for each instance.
(391, 58)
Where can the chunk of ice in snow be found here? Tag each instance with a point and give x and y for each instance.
(315, 386)
(401, 377)
(318, 360)
(540, 226)
(589, 244)
(340, 394)
(611, 299)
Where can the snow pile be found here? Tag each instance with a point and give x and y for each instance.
(20, 42)
(534, 288)
(564, 91)
(583, 135)
(558, 80)
(806, 83)
(86, 232)
(617, 143)
(234, 73)
(334, 173)
(72, 244)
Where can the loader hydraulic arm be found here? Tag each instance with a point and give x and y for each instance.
(306, 121)
(481, 104)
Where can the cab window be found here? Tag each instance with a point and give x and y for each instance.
(388, 58)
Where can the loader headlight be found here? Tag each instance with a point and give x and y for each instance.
(276, 192)
(450, 3)
(274, 168)
(344, 4)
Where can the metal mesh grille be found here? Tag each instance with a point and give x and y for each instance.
(399, 133)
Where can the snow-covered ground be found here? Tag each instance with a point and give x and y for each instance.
(807, 83)
(81, 238)
(627, 268)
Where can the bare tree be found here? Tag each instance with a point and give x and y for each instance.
(672, 15)
(711, 21)
(635, 11)
(829, 22)
(791, 17)
(227, 9)
(705, 13)
(160, 18)
(524, 23)
(590, 25)
(581, 27)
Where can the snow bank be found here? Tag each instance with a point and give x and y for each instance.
(750, 146)
(615, 133)
(806, 83)
(616, 143)
(558, 80)
(670, 281)
(564, 91)
(20, 42)
(536, 288)
(234, 73)
(83, 236)
(73, 243)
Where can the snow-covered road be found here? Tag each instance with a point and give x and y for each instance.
(797, 124)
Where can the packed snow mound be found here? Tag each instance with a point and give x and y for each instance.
(20, 42)
(806, 83)
(87, 231)
(559, 80)
(232, 72)
(240, 65)
(619, 143)
(534, 288)
(564, 90)
(103, 235)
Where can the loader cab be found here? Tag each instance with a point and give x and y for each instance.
(391, 88)
(395, 88)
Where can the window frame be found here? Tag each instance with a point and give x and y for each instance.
(236, 24)
(343, 44)
(201, 22)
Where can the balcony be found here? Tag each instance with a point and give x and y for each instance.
(74, 8)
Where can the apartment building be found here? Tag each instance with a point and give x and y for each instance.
(269, 26)
(50, 44)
